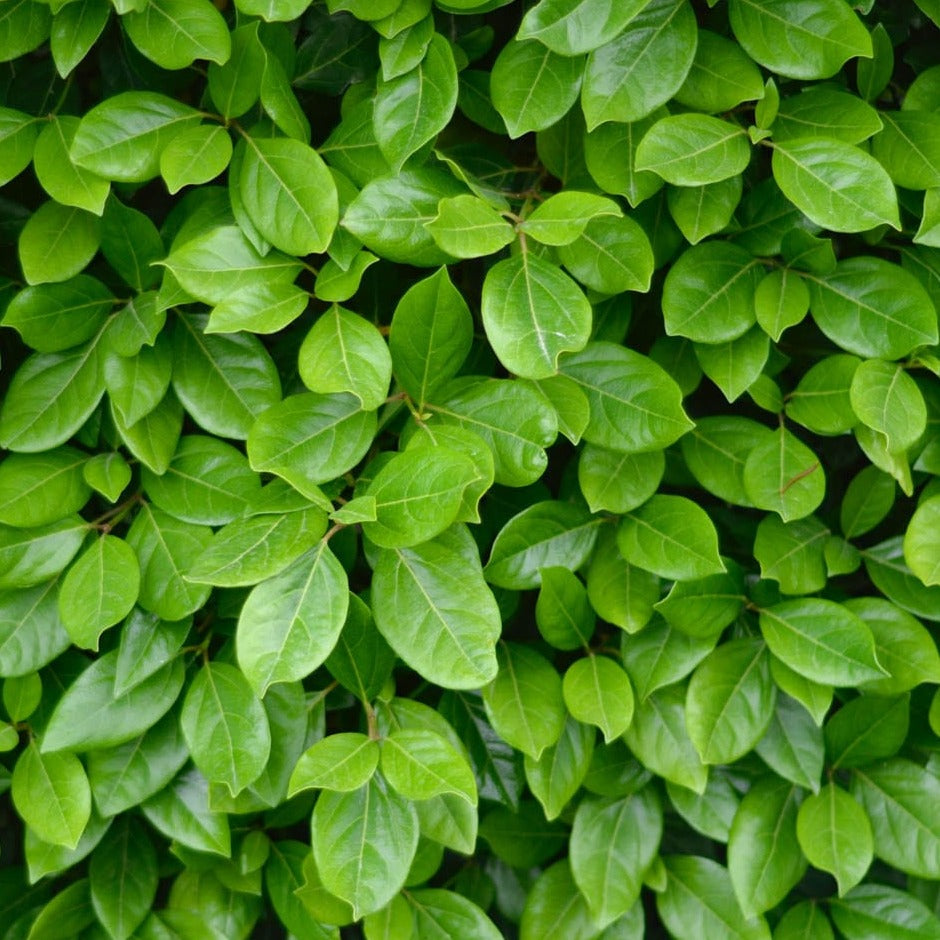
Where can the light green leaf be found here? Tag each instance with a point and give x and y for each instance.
(612, 255)
(781, 300)
(363, 843)
(99, 590)
(420, 764)
(735, 364)
(616, 481)
(59, 177)
(225, 727)
(469, 227)
(146, 645)
(610, 155)
(721, 77)
(174, 33)
(532, 87)
(289, 194)
(876, 907)
(613, 842)
(799, 40)
(524, 702)
(783, 475)
(18, 133)
(792, 553)
(290, 623)
(544, 534)
(821, 400)
(700, 211)
(764, 858)
(42, 488)
(413, 108)
(557, 775)
(920, 541)
(564, 216)
(835, 184)
(821, 640)
(705, 606)
(835, 835)
(642, 68)
(121, 138)
(793, 744)
(432, 606)
(570, 27)
(730, 701)
(672, 537)
(51, 794)
(598, 692)
(181, 812)
(57, 243)
(555, 903)
(195, 155)
(344, 352)
(887, 399)
(341, 762)
(908, 147)
(693, 149)
(437, 912)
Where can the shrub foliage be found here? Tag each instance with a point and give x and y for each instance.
(469, 469)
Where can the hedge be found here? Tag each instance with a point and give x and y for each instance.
(469, 470)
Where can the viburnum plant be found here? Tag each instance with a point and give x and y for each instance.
(469, 469)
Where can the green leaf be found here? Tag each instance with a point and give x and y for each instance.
(764, 858)
(793, 744)
(873, 308)
(889, 573)
(792, 553)
(562, 611)
(75, 29)
(700, 211)
(699, 897)
(659, 739)
(564, 216)
(413, 108)
(920, 541)
(59, 177)
(545, 534)
(629, 77)
(821, 640)
(556, 776)
(469, 227)
(220, 262)
(24, 26)
(363, 843)
(610, 155)
(703, 607)
(613, 842)
(524, 702)
(693, 149)
(876, 907)
(207, 482)
(38, 489)
(909, 147)
(181, 812)
(259, 308)
(571, 27)
(730, 701)
(50, 398)
(815, 697)
(554, 903)
(598, 692)
(223, 381)
(898, 796)
(51, 794)
(887, 399)
(146, 645)
(835, 836)
(289, 194)
(868, 499)
(867, 729)
(822, 399)
(611, 256)
(432, 606)
(616, 481)
(54, 317)
(166, 549)
(721, 77)
(137, 384)
(438, 912)
(710, 812)
(252, 549)
(620, 593)
(122, 893)
(430, 336)
(736, 364)
(672, 537)
(225, 727)
(99, 590)
(364, 366)
(234, 86)
(18, 133)
(716, 451)
(635, 405)
(804, 921)
(57, 243)
(309, 438)
(835, 184)
(809, 40)
(341, 762)
(660, 655)
(420, 764)
(90, 715)
(532, 314)
(154, 438)
(174, 33)
(290, 623)
(783, 475)
(708, 295)
(781, 300)
(532, 87)
(132, 245)
(826, 112)
(121, 138)
(195, 155)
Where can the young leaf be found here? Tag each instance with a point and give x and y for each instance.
(598, 692)
(420, 764)
(341, 762)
